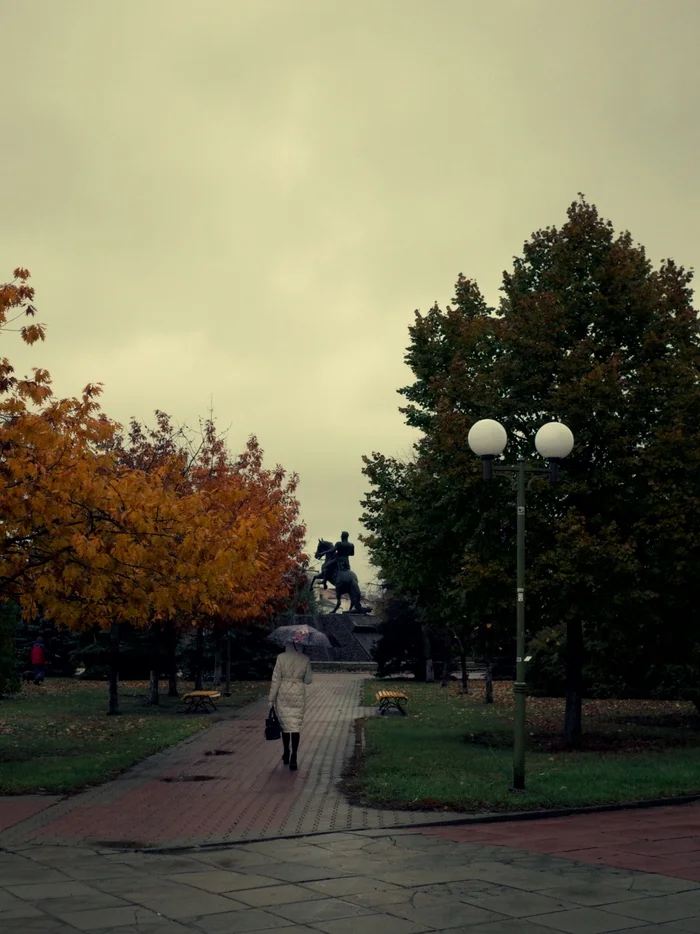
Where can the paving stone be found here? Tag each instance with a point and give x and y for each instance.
(276, 895)
(351, 885)
(527, 879)
(323, 909)
(58, 855)
(38, 891)
(234, 858)
(658, 885)
(24, 876)
(60, 906)
(240, 922)
(434, 876)
(87, 872)
(659, 908)
(23, 910)
(187, 905)
(591, 895)
(43, 925)
(221, 880)
(379, 899)
(584, 921)
(507, 926)
(145, 885)
(515, 903)
(370, 924)
(92, 921)
(292, 872)
(8, 901)
(290, 929)
(688, 925)
(445, 913)
(161, 926)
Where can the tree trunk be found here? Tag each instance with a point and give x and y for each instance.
(488, 698)
(154, 685)
(465, 673)
(574, 684)
(429, 671)
(199, 657)
(171, 634)
(445, 674)
(113, 669)
(217, 660)
(227, 689)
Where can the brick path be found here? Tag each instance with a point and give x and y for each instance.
(249, 794)
(664, 840)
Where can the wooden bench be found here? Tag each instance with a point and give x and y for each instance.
(200, 701)
(389, 699)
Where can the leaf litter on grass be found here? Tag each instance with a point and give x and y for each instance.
(633, 750)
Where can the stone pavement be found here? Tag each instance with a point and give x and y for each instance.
(368, 882)
(665, 840)
(184, 797)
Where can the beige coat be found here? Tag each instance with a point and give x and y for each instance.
(288, 692)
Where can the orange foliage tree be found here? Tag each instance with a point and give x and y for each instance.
(93, 539)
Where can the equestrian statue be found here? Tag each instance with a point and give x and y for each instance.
(336, 569)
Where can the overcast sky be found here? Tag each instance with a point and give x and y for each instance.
(247, 201)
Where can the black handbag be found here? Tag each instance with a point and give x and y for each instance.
(273, 730)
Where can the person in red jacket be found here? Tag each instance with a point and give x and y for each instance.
(38, 660)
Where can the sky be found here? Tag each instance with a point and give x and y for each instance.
(242, 204)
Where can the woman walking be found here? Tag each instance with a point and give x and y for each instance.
(288, 696)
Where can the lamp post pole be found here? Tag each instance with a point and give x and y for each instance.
(519, 686)
(488, 438)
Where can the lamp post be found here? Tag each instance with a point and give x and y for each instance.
(487, 438)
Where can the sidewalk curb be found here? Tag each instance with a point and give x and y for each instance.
(471, 819)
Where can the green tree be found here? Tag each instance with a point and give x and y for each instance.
(589, 334)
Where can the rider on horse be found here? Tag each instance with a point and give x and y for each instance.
(339, 555)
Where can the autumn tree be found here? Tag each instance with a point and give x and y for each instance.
(589, 334)
(264, 494)
(93, 541)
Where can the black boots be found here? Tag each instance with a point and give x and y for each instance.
(291, 761)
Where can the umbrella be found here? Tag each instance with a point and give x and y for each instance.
(302, 635)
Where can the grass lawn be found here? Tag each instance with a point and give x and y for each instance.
(455, 753)
(56, 737)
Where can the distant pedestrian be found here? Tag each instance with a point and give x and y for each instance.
(38, 657)
(288, 696)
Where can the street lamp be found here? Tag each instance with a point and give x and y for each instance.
(487, 438)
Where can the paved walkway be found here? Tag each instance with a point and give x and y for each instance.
(245, 793)
(371, 882)
(664, 840)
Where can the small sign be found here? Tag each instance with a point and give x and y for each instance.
(521, 510)
(521, 597)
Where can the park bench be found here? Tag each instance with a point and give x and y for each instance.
(200, 701)
(388, 699)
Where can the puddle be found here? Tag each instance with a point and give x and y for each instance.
(191, 778)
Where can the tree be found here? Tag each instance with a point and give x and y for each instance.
(9, 621)
(586, 333)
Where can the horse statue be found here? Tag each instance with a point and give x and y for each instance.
(342, 578)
